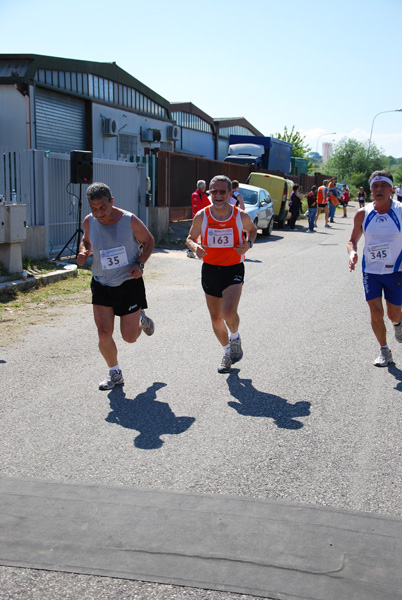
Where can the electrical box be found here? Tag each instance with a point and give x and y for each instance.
(147, 135)
(13, 223)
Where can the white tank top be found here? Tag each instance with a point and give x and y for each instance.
(382, 252)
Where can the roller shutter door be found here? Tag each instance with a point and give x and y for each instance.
(60, 122)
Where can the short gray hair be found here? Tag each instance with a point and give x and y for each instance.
(201, 184)
(221, 178)
(98, 191)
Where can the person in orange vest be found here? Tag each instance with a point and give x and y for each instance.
(222, 250)
(332, 192)
(322, 201)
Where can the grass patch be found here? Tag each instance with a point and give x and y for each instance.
(34, 266)
(48, 294)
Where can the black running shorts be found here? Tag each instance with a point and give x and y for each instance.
(125, 299)
(215, 279)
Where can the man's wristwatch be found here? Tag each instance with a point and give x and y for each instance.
(251, 243)
(141, 265)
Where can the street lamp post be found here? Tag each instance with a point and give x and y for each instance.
(372, 125)
(320, 136)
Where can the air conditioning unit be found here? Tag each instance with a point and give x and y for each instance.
(109, 127)
(147, 135)
(172, 132)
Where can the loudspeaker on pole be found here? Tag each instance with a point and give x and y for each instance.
(81, 166)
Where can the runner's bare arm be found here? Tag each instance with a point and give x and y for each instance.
(146, 239)
(241, 202)
(356, 234)
(193, 236)
(251, 231)
(144, 236)
(85, 245)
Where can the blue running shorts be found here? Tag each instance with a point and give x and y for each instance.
(391, 283)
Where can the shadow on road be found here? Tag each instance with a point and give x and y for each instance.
(397, 373)
(253, 403)
(151, 418)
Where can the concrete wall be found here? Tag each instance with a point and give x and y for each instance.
(35, 243)
(158, 221)
(13, 118)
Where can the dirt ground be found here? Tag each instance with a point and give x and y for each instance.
(15, 321)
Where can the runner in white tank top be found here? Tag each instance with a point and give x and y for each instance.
(381, 224)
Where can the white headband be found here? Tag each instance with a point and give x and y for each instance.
(381, 178)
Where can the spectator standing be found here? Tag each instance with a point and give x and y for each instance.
(295, 205)
(399, 193)
(333, 194)
(312, 207)
(345, 200)
(322, 202)
(199, 200)
(236, 199)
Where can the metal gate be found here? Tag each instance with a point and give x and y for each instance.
(41, 180)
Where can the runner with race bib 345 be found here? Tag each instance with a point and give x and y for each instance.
(381, 223)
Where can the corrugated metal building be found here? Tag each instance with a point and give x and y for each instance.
(201, 135)
(60, 104)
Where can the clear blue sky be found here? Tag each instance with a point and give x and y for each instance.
(323, 66)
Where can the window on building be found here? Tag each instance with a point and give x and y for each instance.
(94, 86)
(127, 145)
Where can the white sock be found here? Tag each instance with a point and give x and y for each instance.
(234, 336)
(115, 368)
(226, 350)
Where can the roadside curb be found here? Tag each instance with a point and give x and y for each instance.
(67, 270)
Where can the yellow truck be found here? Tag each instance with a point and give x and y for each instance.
(279, 189)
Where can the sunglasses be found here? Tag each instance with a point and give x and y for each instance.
(221, 192)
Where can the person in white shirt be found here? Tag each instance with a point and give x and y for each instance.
(381, 223)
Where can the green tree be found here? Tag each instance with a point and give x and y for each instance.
(398, 174)
(353, 161)
(300, 148)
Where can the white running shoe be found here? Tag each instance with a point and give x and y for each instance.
(398, 332)
(236, 352)
(384, 359)
(148, 326)
(225, 365)
(113, 378)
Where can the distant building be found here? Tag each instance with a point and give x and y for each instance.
(202, 135)
(196, 130)
(327, 150)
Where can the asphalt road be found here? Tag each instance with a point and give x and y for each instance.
(304, 417)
